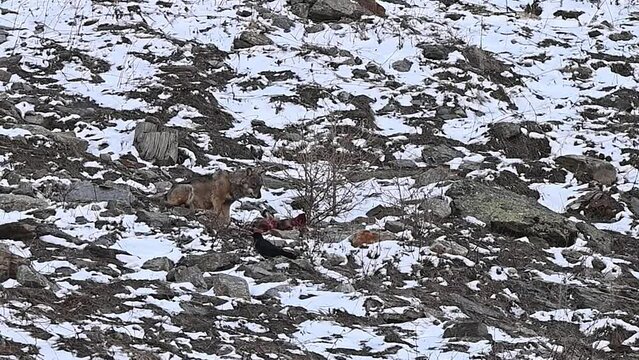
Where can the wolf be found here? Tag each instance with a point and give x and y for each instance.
(217, 192)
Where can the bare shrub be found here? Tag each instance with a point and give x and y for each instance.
(320, 177)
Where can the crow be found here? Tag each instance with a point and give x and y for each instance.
(267, 249)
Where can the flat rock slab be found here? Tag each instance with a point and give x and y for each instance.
(588, 168)
(510, 213)
(86, 191)
(12, 202)
(156, 144)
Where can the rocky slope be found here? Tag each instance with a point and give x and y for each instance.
(489, 148)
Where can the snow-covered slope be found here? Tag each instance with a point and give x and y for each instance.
(461, 120)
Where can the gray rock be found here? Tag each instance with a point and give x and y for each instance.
(9, 263)
(5, 76)
(13, 202)
(439, 154)
(394, 226)
(387, 235)
(436, 208)
(334, 10)
(509, 138)
(345, 288)
(67, 138)
(402, 65)
(448, 247)
(334, 259)
(509, 213)
(468, 330)
(211, 262)
(402, 164)
(283, 22)
(24, 188)
(435, 52)
(248, 39)
(229, 285)
(162, 186)
(28, 277)
(159, 264)
(434, 175)
(85, 191)
(275, 292)
(155, 219)
(156, 144)
(315, 28)
(10, 61)
(35, 119)
(191, 274)
(588, 168)
(381, 211)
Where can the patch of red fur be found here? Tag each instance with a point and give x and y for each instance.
(373, 7)
(364, 237)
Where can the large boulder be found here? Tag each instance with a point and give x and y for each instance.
(157, 144)
(510, 213)
(588, 168)
(12, 202)
(85, 191)
(334, 10)
(229, 285)
(519, 140)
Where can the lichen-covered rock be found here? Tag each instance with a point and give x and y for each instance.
(588, 168)
(510, 213)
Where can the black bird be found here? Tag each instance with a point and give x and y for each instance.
(267, 249)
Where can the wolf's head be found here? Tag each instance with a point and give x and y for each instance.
(249, 182)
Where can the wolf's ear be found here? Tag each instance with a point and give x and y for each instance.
(249, 171)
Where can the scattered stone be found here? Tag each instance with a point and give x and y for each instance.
(248, 39)
(509, 138)
(345, 288)
(588, 168)
(436, 208)
(86, 191)
(439, 154)
(13, 202)
(387, 235)
(191, 274)
(468, 330)
(621, 36)
(402, 65)
(406, 316)
(9, 264)
(156, 144)
(159, 264)
(19, 231)
(275, 292)
(510, 181)
(622, 68)
(568, 14)
(441, 246)
(5, 76)
(28, 277)
(394, 226)
(335, 10)
(67, 138)
(364, 237)
(211, 262)
(434, 175)
(402, 164)
(334, 259)
(381, 211)
(229, 285)
(315, 28)
(509, 213)
(155, 219)
(435, 52)
(596, 206)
